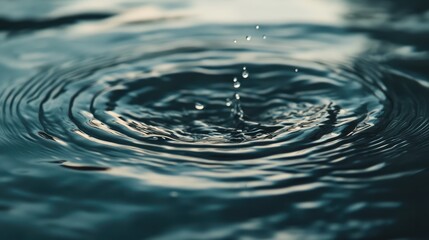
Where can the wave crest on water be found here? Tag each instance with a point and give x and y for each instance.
(135, 105)
(203, 125)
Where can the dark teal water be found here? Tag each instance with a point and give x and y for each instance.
(120, 120)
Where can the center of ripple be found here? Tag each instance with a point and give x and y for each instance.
(275, 104)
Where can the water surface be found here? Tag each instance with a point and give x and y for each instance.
(123, 120)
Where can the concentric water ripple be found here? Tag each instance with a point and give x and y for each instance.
(214, 119)
(336, 123)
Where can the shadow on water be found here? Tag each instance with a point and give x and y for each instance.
(21, 25)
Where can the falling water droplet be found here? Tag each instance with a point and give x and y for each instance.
(296, 70)
(199, 106)
(245, 74)
(228, 102)
(235, 41)
(237, 96)
(257, 27)
(237, 84)
(264, 37)
(235, 79)
(244, 68)
(174, 194)
(248, 38)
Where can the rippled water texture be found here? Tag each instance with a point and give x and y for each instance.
(214, 119)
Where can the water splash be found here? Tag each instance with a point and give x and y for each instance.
(228, 102)
(236, 84)
(199, 106)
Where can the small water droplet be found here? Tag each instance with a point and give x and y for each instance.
(237, 96)
(257, 27)
(235, 79)
(235, 41)
(174, 194)
(228, 102)
(244, 68)
(296, 70)
(245, 74)
(237, 84)
(248, 38)
(199, 106)
(264, 37)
